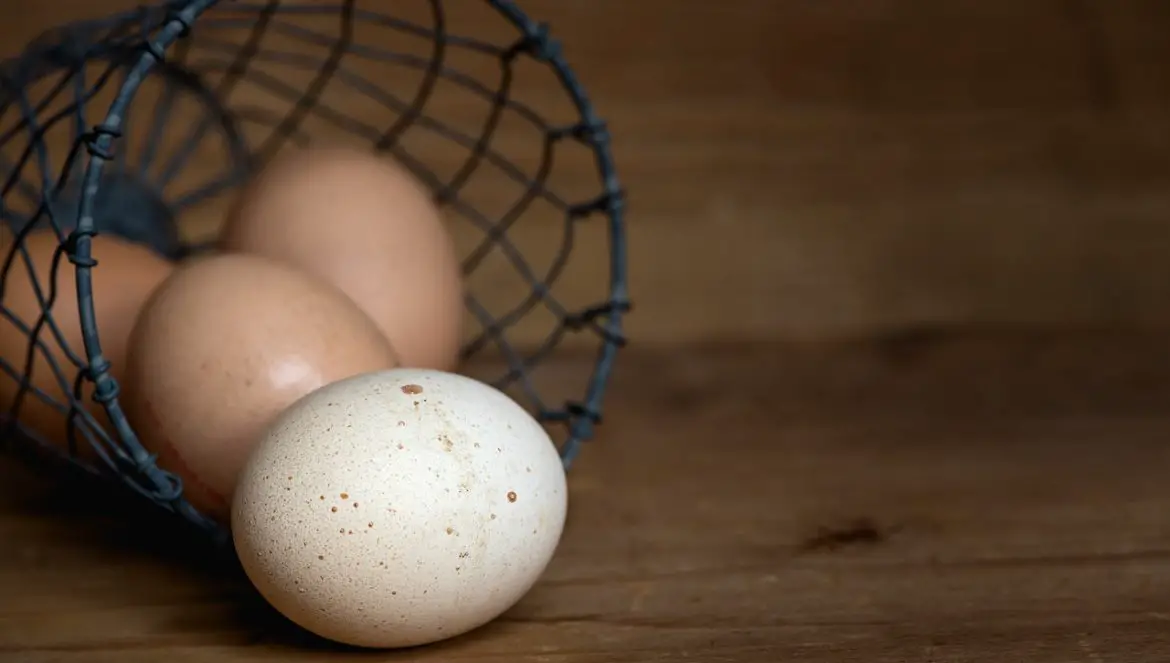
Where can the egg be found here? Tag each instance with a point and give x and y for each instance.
(123, 280)
(225, 344)
(366, 225)
(399, 508)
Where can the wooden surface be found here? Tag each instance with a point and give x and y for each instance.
(805, 169)
(907, 500)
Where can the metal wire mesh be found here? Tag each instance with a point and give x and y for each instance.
(255, 78)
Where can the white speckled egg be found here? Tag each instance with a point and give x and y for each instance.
(399, 507)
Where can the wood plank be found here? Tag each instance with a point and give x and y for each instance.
(927, 498)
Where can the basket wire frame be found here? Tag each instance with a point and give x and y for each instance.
(73, 201)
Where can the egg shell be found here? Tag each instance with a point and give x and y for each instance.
(224, 345)
(399, 508)
(124, 278)
(362, 222)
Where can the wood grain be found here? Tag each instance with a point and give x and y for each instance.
(811, 169)
(948, 498)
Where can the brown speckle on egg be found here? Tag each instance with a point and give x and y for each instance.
(511, 496)
(333, 509)
(345, 496)
(450, 530)
(321, 557)
(412, 389)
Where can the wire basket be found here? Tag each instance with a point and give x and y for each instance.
(142, 124)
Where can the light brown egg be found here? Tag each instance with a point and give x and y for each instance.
(363, 223)
(122, 281)
(225, 344)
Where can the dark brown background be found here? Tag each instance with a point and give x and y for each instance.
(812, 169)
(976, 193)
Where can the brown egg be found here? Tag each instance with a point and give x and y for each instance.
(122, 281)
(363, 223)
(223, 346)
